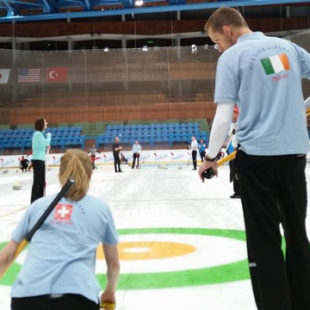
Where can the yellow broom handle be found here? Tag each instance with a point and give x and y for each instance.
(227, 158)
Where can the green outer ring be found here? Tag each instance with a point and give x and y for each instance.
(235, 271)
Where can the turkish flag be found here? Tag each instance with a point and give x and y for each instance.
(63, 212)
(57, 74)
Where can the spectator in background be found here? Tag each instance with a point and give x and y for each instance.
(40, 145)
(24, 163)
(194, 149)
(116, 148)
(124, 159)
(136, 150)
(92, 152)
(231, 147)
(202, 149)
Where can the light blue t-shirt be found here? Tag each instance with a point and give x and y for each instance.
(39, 145)
(62, 253)
(263, 76)
(136, 148)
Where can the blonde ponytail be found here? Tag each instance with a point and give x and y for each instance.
(77, 164)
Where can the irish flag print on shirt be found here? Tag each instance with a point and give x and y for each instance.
(275, 64)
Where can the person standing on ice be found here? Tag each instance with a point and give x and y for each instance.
(262, 75)
(202, 149)
(40, 145)
(231, 147)
(59, 269)
(116, 148)
(194, 149)
(24, 163)
(136, 151)
(93, 152)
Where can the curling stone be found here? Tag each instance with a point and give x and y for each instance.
(17, 186)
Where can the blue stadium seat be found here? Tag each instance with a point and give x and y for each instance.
(151, 133)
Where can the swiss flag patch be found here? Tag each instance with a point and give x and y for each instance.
(63, 212)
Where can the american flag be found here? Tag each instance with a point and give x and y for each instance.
(28, 75)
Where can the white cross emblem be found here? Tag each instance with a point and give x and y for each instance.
(63, 211)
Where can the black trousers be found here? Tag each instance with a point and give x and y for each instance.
(117, 163)
(93, 158)
(38, 179)
(273, 190)
(202, 156)
(194, 158)
(135, 156)
(45, 302)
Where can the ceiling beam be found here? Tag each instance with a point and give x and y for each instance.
(9, 8)
(145, 10)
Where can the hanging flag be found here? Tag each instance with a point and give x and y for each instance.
(275, 64)
(58, 74)
(4, 75)
(28, 75)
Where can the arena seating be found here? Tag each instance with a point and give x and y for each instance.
(152, 133)
(62, 137)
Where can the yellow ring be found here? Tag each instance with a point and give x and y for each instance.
(143, 250)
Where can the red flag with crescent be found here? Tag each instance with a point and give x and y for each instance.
(57, 74)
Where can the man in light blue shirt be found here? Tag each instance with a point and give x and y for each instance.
(262, 75)
(136, 150)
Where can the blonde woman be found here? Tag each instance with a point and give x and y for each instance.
(58, 272)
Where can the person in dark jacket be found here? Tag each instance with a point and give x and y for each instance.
(116, 148)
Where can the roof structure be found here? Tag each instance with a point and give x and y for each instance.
(43, 10)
